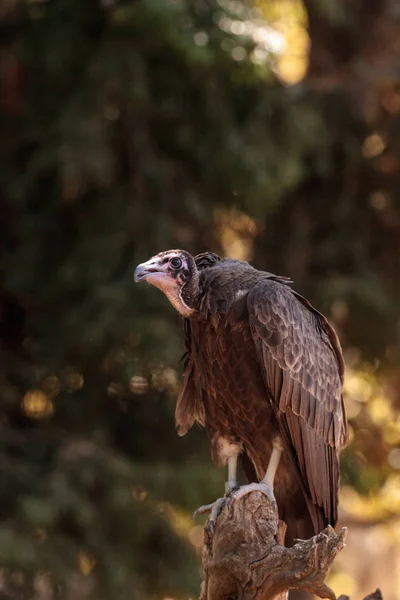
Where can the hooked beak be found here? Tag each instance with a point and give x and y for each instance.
(146, 270)
(140, 273)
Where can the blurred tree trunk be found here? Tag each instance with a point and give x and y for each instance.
(353, 46)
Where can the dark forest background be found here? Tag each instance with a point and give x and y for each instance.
(267, 131)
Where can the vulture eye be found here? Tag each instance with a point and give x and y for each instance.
(175, 263)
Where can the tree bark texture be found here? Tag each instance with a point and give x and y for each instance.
(245, 558)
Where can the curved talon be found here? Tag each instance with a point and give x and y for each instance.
(203, 509)
(215, 509)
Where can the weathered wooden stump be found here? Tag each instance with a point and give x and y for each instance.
(245, 559)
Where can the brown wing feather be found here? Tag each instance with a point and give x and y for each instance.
(303, 369)
(189, 405)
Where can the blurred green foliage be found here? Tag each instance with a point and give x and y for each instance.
(132, 127)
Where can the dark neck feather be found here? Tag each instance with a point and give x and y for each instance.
(190, 292)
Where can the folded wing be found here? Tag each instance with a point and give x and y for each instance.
(303, 370)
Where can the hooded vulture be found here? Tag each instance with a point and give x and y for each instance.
(263, 375)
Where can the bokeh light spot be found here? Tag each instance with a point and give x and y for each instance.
(238, 53)
(236, 231)
(374, 145)
(238, 27)
(138, 384)
(394, 458)
(74, 381)
(36, 404)
(200, 38)
(379, 200)
(86, 563)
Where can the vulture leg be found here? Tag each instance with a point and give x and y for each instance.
(266, 485)
(230, 485)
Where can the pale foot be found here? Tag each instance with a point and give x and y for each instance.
(216, 507)
(215, 510)
(264, 488)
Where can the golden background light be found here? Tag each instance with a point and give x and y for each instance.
(36, 404)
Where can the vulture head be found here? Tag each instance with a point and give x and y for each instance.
(175, 273)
